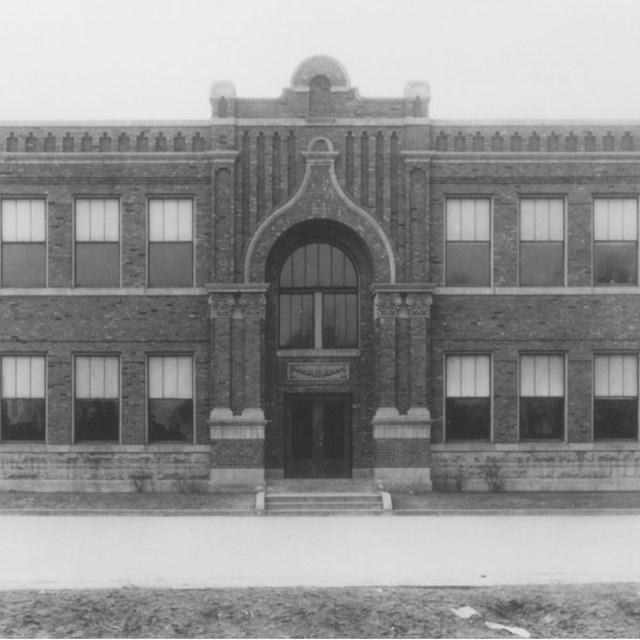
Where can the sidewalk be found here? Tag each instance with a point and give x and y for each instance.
(243, 504)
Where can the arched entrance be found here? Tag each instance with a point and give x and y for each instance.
(318, 353)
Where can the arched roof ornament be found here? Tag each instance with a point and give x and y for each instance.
(320, 197)
(320, 65)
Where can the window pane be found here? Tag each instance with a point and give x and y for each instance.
(96, 420)
(23, 419)
(185, 220)
(541, 418)
(629, 220)
(286, 274)
(600, 220)
(171, 264)
(83, 221)
(185, 377)
(9, 388)
(483, 221)
(337, 267)
(339, 320)
(171, 420)
(170, 221)
(541, 264)
(324, 265)
(155, 377)
(9, 221)
(299, 268)
(97, 264)
(156, 221)
(111, 378)
(468, 418)
(38, 221)
(616, 375)
(23, 221)
(454, 386)
(615, 418)
(556, 220)
(615, 263)
(111, 221)
(311, 265)
(170, 378)
(468, 264)
(296, 321)
(23, 264)
(454, 221)
(96, 373)
(527, 220)
(468, 376)
(83, 377)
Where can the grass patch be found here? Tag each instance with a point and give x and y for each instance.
(586, 611)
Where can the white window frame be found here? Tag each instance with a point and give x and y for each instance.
(22, 231)
(192, 382)
(459, 235)
(447, 373)
(625, 230)
(15, 383)
(548, 235)
(153, 235)
(75, 396)
(564, 396)
(96, 231)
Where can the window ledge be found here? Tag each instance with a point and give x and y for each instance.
(482, 446)
(96, 447)
(318, 353)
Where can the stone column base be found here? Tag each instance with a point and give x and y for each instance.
(237, 450)
(402, 449)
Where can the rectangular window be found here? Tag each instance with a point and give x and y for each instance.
(468, 401)
(615, 241)
(542, 397)
(468, 262)
(542, 242)
(97, 398)
(23, 398)
(97, 258)
(170, 242)
(24, 253)
(615, 402)
(170, 398)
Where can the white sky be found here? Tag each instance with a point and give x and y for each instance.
(156, 59)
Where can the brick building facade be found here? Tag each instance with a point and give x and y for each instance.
(319, 285)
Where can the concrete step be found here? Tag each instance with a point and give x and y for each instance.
(322, 503)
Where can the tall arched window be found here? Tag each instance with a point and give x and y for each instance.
(320, 97)
(318, 299)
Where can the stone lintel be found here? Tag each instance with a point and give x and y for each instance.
(389, 424)
(223, 425)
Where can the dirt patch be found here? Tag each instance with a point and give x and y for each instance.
(518, 500)
(586, 611)
(127, 501)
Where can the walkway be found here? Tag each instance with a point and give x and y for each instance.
(180, 552)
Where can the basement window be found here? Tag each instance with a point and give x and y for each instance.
(170, 409)
(542, 397)
(23, 398)
(615, 401)
(23, 237)
(468, 251)
(97, 398)
(468, 401)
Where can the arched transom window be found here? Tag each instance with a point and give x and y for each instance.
(318, 299)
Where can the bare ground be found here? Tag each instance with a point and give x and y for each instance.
(244, 503)
(584, 611)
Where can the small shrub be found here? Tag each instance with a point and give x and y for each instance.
(493, 475)
(187, 484)
(140, 482)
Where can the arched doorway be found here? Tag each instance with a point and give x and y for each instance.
(318, 360)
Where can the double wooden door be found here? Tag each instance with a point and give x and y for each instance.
(318, 436)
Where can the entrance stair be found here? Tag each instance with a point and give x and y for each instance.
(322, 497)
